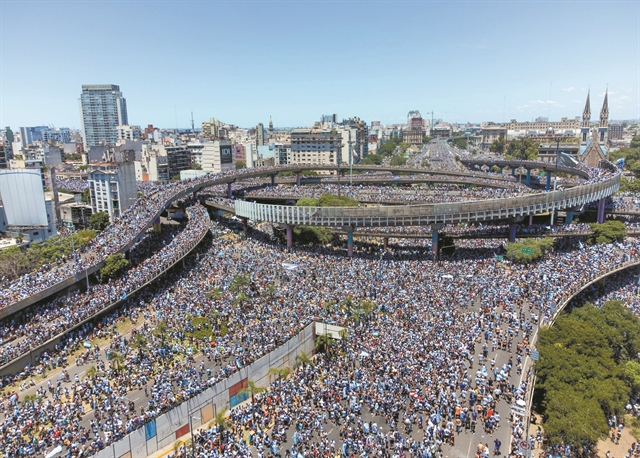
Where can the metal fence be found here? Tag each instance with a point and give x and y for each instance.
(415, 215)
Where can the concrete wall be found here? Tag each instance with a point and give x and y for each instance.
(174, 424)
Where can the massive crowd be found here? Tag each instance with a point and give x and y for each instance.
(421, 354)
(436, 357)
(51, 319)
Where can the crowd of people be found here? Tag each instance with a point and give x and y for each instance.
(51, 319)
(414, 360)
(434, 357)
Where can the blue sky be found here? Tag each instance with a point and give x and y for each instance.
(241, 61)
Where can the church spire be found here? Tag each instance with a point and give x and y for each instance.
(586, 114)
(604, 113)
(270, 124)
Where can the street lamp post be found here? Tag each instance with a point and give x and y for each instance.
(193, 445)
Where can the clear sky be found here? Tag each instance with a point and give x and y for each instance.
(242, 61)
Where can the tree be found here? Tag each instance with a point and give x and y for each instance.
(426, 139)
(239, 281)
(307, 202)
(139, 342)
(524, 149)
(196, 166)
(459, 143)
(19, 238)
(86, 194)
(324, 342)
(498, 146)
(607, 232)
(398, 160)
(91, 373)
(586, 371)
(117, 361)
(241, 165)
(631, 156)
(529, 250)
(98, 221)
(373, 159)
(252, 389)
(387, 149)
(176, 177)
(162, 330)
(114, 265)
(221, 420)
(302, 359)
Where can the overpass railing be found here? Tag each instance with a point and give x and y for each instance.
(415, 215)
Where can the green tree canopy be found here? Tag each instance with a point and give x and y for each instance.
(524, 149)
(373, 159)
(241, 165)
(607, 232)
(114, 265)
(398, 160)
(459, 143)
(584, 371)
(529, 250)
(98, 221)
(498, 146)
(631, 156)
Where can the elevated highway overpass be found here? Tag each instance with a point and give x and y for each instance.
(405, 215)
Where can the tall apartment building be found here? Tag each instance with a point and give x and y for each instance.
(4, 162)
(29, 135)
(112, 185)
(102, 110)
(309, 146)
(210, 129)
(260, 135)
(615, 131)
(57, 134)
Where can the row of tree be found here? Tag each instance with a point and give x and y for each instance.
(15, 261)
(523, 149)
(631, 156)
(587, 371)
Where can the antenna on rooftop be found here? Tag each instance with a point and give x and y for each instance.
(193, 128)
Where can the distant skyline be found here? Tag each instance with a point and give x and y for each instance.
(242, 61)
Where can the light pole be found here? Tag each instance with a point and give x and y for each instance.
(193, 445)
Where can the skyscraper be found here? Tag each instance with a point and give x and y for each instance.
(102, 109)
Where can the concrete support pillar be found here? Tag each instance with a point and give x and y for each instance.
(245, 225)
(273, 180)
(548, 187)
(298, 179)
(500, 169)
(513, 227)
(569, 218)
(601, 218)
(350, 243)
(289, 229)
(229, 193)
(156, 226)
(528, 181)
(385, 242)
(513, 171)
(434, 243)
(531, 220)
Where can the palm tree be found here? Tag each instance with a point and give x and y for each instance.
(252, 389)
(302, 358)
(91, 373)
(222, 422)
(117, 361)
(282, 372)
(238, 281)
(241, 298)
(139, 342)
(215, 293)
(324, 343)
(162, 329)
(29, 399)
(271, 289)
